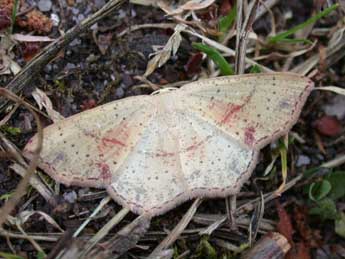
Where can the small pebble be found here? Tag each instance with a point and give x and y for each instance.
(70, 196)
(81, 17)
(122, 14)
(55, 19)
(70, 66)
(302, 160)
(44, 5)
(120, 92)
(75, 42)
(75, 11)
(336, 107)
(99, 3)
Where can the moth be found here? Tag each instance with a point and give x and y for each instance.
(151, 153)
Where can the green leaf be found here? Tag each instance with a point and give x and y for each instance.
(287, 40)
(10, 256)
(340, 225)
(282, 36)
(41, 255)
(217, 58)
(227, 21)
(325, 209)
(337, 180)
(310, 172)
(11, 130)
(206, 250)
(255, 69)
(319, 190)
(6, 196)
(14, 14)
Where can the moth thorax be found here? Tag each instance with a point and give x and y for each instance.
(168, 110)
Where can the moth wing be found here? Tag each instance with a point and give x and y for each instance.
(254, 109)
(87, 149)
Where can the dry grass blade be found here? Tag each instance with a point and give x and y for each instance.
(242, 34)
(20, 167)
(43, 100)
(334, 89)
(339, 160)
(230, 203)
(42, 188)
(257, 218)
(264, 8)
(245, 208)
(20, 190)
(105, 230)
(103, 202)
(171, 238)
(124, 240)
(334, 52)
(273, 245)
(215, 221)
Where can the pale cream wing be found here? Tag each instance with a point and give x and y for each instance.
(88, 148)
(252, 109)
(178, 157)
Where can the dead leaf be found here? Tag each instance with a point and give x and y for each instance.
(24, 216)
(162, 56)
(284, 226)
(43, 100)
(31, 38)
(192, 5)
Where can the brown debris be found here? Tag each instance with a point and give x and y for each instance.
(6, 6)
(328, 126)
(272, 245)
(5, 19)
(30, 49)
(35, 21)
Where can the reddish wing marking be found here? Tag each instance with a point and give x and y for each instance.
(230, 112)
(113, 141)
(232, 109)
(105, 173)
(249, 138)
